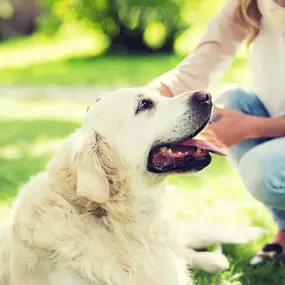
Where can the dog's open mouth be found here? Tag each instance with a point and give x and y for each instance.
(188, 155)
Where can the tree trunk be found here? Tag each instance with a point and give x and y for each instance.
(23, 20)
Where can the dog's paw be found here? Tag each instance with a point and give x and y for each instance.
(212, 262)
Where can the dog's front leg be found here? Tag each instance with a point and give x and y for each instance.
(192, 237)
(200, 235)
(210, 262)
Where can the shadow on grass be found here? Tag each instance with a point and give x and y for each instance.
(110, 70)
(29, 131)
(23, 136)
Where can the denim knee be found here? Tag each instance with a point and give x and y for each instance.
(237, 97)
(264, 177)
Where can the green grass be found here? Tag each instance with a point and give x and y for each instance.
(108, 70)
(78, 60)
(39, 49)
(111, 70)
(32, 129)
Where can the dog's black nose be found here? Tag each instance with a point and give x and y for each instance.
(202, 97)
(200, 102)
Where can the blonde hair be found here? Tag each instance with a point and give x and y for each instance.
(249, 14)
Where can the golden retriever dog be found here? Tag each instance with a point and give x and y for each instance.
(95, 216)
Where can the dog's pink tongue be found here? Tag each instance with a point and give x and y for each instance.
(204, 145)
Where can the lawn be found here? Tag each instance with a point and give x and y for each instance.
(32, 129)
(116, 70)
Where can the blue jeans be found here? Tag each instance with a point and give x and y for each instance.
(261, 162)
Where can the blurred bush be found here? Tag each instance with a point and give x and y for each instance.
(127, 25)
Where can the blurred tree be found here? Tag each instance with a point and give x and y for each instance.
(132, 25)
(128, 25)
(141, 25)
(17, 17)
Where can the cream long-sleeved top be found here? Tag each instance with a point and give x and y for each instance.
(218, 46)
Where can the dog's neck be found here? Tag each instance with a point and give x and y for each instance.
(129, 204)
(130, 201)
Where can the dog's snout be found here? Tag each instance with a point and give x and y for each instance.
(200, 104)
(201, 100)
(202, 97)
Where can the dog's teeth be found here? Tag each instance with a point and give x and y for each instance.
(179, 152)
(163, 149)
(169, 150)
(199, 150)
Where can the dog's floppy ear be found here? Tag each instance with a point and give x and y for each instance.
(94, 167)
(165, 90)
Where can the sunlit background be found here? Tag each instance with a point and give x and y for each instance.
(57, 55)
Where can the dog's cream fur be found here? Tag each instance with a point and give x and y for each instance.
(95, 216)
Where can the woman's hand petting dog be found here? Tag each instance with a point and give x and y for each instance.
(231, 128)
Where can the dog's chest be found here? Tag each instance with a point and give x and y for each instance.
(155, 264)
(143, 256)
(147, 257)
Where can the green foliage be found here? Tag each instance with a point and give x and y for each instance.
(133, 24)
(128, 25)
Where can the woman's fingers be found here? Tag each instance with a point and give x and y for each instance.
(209, 136)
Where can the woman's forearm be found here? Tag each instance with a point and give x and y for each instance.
(211, 57)
(268, 127)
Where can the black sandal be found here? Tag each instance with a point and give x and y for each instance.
(272, 252)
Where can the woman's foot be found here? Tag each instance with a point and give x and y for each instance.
(273, 252)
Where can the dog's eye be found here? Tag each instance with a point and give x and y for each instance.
(143, 105)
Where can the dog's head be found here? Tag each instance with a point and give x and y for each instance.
(145, 134)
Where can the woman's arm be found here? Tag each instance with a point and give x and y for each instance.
(211, 57)
(233, 127)
(269, 127)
